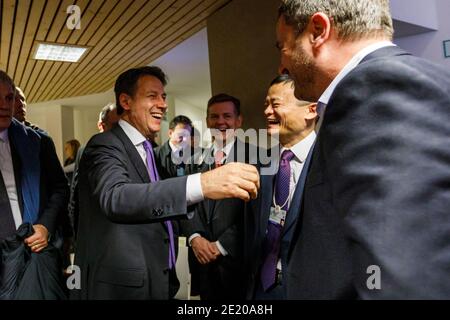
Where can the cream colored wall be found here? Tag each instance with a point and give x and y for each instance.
(85, 120)
(242, 54)
(50, 118)
(71, 118)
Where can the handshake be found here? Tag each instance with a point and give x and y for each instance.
(233, 180)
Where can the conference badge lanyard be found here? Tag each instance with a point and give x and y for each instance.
(277, 214)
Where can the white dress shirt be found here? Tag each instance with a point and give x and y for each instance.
(300, 150)
(194, 192)
(357, 58)
(7, 170)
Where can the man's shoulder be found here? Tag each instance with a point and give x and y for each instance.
(400, 66)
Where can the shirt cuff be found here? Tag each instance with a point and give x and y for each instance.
(221, 249)
(194, 235)
(194, 192)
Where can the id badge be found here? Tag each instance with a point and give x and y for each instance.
(180, 171)
(277, 215)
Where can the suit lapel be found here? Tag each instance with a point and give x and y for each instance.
(132, 153)
(17, 172)
(266, 202)
(296, 202)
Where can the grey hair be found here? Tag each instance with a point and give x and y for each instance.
(105, 111)
(352, 19)
(6, 79)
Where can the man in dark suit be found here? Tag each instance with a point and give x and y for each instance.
(215, 234)
(374, 220)
(272, 217)
(33, 188)
(173, 156)
(125, 239)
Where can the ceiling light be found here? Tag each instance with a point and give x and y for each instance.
(56, 52)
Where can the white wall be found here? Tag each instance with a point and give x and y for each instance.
(50, 119)
(71, 118)
(418, 12)
(429, 45)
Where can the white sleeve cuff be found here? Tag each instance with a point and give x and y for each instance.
(194, 235)
(194, 192)
(221, 249)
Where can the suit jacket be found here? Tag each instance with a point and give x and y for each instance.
(54, 191)
(168, 169)
(257, 219)
(223, 221)
(377, 193)
(123, 244)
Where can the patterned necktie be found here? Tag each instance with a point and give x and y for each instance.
(273, 236)
(153, 173)
(218, 158)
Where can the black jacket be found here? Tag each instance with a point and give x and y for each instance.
(29, 276)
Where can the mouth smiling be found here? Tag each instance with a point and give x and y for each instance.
(272, 122)
(157, 115)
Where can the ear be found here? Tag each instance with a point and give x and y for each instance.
(125, 101)
(319, 28)
(100, 126)
(312, 111)
(170, 133)
(239, 121)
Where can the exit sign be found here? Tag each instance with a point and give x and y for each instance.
(446, 48)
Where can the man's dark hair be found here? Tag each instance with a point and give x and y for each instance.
(180, 119)
(127, 82)
(223, 97)
(283, 78)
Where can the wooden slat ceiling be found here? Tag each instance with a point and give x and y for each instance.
(120, 34)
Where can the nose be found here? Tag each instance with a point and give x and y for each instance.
(220, 120)
(162, 103)
(282, 70)
(268, 110)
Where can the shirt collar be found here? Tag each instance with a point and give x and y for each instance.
(301, 148)
(173, 147)
(325, 97)
(135, 136)
(226, 149)
(4, 135)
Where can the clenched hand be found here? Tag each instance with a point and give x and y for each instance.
(233, 180)
(39, 239)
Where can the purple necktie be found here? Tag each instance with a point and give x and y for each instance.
(153, 173)
(273, 236)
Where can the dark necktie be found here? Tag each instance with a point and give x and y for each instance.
(273, 236)
(153, 173)
(7, 225)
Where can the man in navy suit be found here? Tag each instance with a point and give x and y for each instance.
(374, 220)
(33, 195)
(32, 184)
(293, 121)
